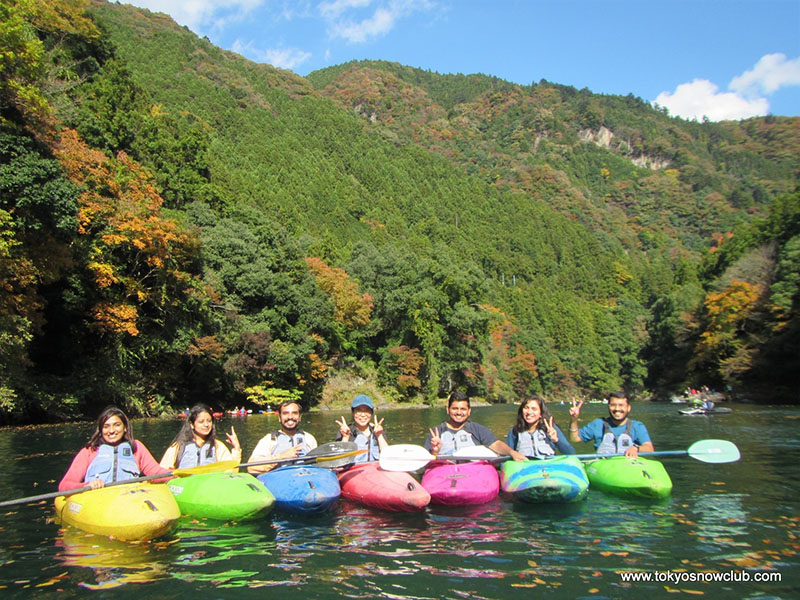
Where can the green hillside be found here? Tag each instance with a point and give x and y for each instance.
(372, 227)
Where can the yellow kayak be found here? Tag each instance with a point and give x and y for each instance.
(132, 511)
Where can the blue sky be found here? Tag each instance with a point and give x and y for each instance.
(723, 59)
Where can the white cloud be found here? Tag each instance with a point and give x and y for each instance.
(701, 98)
(380, 23)
(334, 8)
(347, 18)
(770, 74)
(199, 14)
(283, 58)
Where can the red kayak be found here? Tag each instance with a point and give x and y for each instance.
(461, 483)
(370, 485)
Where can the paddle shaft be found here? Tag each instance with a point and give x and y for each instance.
(643, 454)
(85, 488)
(304, 459)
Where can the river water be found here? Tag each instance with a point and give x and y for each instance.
(739, 520)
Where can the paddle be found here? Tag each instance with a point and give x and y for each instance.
(334, 454)
(409, 457)
(209, 468)
(709, 451)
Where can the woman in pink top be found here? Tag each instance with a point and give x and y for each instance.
(112, 454)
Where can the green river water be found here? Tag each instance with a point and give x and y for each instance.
(738, 520)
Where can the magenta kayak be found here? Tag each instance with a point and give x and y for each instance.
(461, 483)
(370, 485)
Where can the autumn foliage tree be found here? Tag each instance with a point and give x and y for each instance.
(140, 284)
(724, 342)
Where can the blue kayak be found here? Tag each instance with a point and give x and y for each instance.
(302, 489)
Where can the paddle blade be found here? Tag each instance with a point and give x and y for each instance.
(714, 451)
(333, 448)
(404, 457)
(215, 467)
(339, 460)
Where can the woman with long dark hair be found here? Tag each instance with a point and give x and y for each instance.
(197, 444)
(112, 454)
(535, 433)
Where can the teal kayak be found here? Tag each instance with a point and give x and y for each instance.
(223, 496)
(630, 477)
(559, 479)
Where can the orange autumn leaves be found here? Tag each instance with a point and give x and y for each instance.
(136, 254)
(723, 339)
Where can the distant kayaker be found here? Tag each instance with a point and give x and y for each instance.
(366, 433)
(111, 454)
(616, 434)
(287, 442)
(459, 432)
(197, 444)
(535, 434)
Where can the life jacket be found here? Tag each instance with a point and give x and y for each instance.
(611, 444)
(536, 444)
(365, 441)
(194, 455)
(455, 440)
(283, 442)
(113, 463)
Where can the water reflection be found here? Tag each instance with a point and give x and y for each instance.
(112, 563)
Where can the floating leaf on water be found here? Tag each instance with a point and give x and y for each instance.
(671, 590)
(594, 591)
(532, 563)
(717, 483)
(523, 585)
(597, 573)
(695, 592)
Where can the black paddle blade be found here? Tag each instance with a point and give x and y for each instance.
(333, 448)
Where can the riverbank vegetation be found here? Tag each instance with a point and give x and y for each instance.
(179, 224)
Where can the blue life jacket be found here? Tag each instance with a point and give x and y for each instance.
(535, 445)
(455, 440)
(283, 442)
(612, 444)
(365, 441)
(194, 455)
(113, 463)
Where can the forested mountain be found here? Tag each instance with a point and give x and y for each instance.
(178, 223)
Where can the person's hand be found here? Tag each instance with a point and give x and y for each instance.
(436, 441)
(233, 440)
(632, 452)
(518, 456)
(292, 452)
(377, 427)
(96, 484)
(344, 429)
(552, 433)
(575, 409)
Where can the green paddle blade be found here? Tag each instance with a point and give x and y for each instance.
(714, 451)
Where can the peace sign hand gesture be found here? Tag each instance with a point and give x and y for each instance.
(575, 409)
(552, 432)
(377, 427)
(233, 440)
(344, 429)
(436, 441)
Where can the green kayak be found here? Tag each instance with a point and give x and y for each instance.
(223, 496)
(630, 477)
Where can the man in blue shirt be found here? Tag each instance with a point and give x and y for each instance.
(616, 434)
